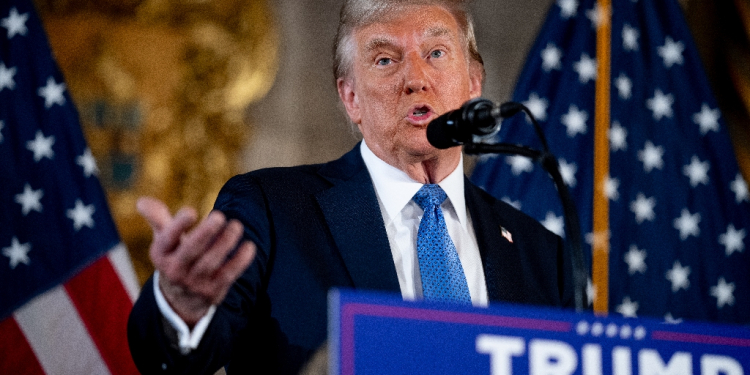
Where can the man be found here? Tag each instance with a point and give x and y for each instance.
(261, 305)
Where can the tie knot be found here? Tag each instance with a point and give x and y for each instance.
(429, 195)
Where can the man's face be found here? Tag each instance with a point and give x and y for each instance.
(406, 71)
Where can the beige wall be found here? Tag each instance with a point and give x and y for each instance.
(300, 120)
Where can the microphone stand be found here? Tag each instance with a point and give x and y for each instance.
(550, 164)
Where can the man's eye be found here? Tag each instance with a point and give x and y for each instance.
(437, 53)
(384, 61)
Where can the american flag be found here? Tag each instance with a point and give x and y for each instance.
(674, 230)
(66, 282)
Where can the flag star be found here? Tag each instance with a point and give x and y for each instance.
(678, 276)
(568, 172)
(687, 224)
(41, 146)
(624, 86)
(537, 106)
(6, 77)
(707, 119)
(17, 253)
(15, 23)
(651, 156)
(617, 137)
(568, 8)
(630, 38)
(628, 308)
(575, 121)
(554, 224)
(81, 215)
(643, 208)
(697, 171)
(551, 56)
(590, 291)
(30, 200)
(515, 204)
(88, 163)
(724, 293)
(733, 240)
(669, 319)
(739, 187)
(671, 52)
(597, 15)
(660, 105)
(611, 186)
(636, 260)
(520, 164)
(586, 68)
(52, 93)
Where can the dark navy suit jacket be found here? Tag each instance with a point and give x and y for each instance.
(318, 227)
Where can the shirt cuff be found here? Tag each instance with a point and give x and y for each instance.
(187, 341)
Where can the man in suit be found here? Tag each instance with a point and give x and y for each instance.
(247, 286)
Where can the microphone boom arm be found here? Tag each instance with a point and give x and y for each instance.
(550, 164)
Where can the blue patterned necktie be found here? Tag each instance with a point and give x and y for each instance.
(443, 277)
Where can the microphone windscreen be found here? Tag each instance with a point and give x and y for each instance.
(439, 133)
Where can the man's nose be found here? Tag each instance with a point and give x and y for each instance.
(416, 75)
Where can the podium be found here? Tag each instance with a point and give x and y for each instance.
(373, 333)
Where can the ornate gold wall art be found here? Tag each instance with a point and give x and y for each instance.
(162, 88)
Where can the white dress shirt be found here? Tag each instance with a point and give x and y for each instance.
(401, 215)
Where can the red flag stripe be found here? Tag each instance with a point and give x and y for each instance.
(104, 304)
(16, 356)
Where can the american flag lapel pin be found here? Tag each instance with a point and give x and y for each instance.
(506, 234)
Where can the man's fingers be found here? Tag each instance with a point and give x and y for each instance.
(154, 211)
(225, 241)
(198, 242)
(233, 268)
(168, 238)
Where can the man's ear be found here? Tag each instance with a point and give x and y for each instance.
(476, 78)
(350, 99)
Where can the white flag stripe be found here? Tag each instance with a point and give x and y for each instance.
(120, 261)
(58, 336)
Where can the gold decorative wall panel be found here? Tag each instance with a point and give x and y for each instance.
(162, 87)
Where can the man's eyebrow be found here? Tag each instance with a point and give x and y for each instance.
(437, 31)
(378, 43)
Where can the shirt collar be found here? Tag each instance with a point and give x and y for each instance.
(395, 188)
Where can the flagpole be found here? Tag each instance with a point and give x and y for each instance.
(600, 240)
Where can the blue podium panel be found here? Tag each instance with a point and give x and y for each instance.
(381, 334)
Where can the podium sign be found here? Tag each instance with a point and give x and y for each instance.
(381, 334)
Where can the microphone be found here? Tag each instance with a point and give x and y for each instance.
(476, 117)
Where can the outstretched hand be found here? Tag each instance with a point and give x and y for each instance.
(194, 272)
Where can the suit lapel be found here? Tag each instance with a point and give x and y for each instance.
(500, 257)
(353, 216)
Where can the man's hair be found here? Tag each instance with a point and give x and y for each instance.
(358, 13)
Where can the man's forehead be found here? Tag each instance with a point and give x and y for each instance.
(377, 40)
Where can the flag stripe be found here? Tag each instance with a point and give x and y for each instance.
(16, 356)
(103, 304)
(600, 240)
(57, 335)
(120, 260)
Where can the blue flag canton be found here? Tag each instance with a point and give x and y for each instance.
(679, 209)
(55, 219)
